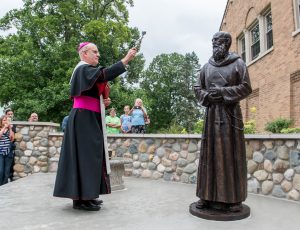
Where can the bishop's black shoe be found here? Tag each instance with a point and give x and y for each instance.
(97, 202)
(86, 205)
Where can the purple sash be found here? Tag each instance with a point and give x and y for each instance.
(85, 102)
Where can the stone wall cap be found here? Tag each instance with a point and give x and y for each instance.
(120, 160)
(295, 136)
(39, 123)
(135, 135)
(56, 134)
(273, 136)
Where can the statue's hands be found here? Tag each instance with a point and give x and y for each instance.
(215, 91)
(214, 94)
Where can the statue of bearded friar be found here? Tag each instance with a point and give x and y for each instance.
(222, 172)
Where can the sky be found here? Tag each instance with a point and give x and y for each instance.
(181, 26)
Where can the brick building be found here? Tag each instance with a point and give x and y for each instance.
(266, 34)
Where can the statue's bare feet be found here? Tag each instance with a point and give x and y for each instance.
(236, 207)
(202, 204)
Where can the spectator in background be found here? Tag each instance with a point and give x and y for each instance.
(126, 120)
(139, 116)
(33, 118)
(6, 158)
(64, 123)
(113, 123)
(10, 116)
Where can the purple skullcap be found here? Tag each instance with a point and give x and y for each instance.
(81, 45)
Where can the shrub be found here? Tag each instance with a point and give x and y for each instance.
(198, 127)
(290, 130)
(173, 129)
(277, 125)
(250, 127)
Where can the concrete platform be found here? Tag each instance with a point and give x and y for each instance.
(28, 204)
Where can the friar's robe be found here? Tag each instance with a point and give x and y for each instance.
(222, 171)
(82, 170)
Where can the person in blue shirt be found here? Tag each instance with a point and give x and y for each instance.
(64, 123)
(126, 120)
(139, 116)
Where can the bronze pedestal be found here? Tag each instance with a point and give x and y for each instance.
(219, 215)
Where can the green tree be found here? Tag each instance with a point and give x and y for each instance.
(198, 128)
(37, 61)
(168, 83)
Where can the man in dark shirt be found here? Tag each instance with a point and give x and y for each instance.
(10, 114)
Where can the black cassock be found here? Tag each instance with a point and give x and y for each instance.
(81, 170)
(222, 171)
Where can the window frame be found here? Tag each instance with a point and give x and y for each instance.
(242, 46)
(268, 33)
(255, 44)
(297, 14)
(263, 45)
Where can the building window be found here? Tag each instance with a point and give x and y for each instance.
(255, 41)
(295, 98)
(242, 48)
(297, 13)
(269, 30)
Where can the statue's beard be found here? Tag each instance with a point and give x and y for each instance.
(219, 53)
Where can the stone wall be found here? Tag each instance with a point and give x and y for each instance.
(36, 150)
(274, 165)
(171, 157)
(273, 161)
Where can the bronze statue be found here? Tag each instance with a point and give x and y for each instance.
(222, 171)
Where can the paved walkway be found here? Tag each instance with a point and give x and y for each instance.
(28, 204)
